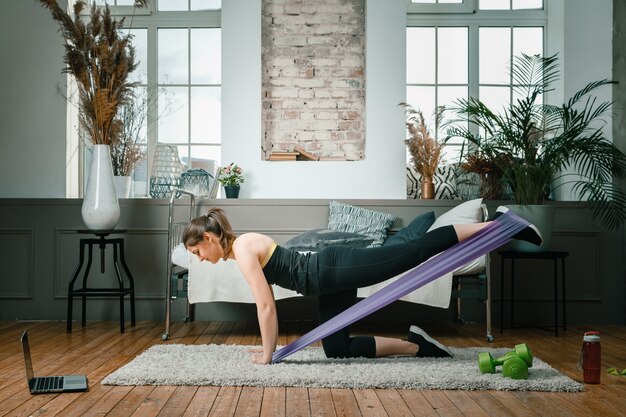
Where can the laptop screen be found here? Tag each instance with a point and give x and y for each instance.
(27, 361)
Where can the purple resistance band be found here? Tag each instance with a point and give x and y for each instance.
(494, 235)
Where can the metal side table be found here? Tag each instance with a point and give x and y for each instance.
(84, 292)
(555, 256)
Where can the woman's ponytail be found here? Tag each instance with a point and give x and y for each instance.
(216, 222)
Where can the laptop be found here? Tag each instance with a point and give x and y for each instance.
(48, 384)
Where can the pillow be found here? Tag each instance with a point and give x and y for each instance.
(317, 239)
(412, 182)
(346, 218)
(418, 227)
(467, 212)
(444, 179)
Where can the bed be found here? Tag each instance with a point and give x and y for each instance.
(203, 282)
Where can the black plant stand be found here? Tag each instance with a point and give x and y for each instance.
(554, 256)
(121, 291)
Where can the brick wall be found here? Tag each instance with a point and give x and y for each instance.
(313, 62)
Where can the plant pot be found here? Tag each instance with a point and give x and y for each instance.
(232, 191)
(542, 217)
(427, 189)
(100, 209)
(123, 185)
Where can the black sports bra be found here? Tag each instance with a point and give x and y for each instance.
(292, 270)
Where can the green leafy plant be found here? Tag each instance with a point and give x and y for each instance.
(535, 144)
(231, 175)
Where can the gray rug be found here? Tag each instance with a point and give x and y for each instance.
(229, 365)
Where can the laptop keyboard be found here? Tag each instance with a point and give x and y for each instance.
(49, 383)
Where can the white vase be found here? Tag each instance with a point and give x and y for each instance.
(123, 185)
(100, 210)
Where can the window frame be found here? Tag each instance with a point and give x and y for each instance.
(152, 20)
(473, 22)
(467, 6)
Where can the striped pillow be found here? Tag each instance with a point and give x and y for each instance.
(346, 218)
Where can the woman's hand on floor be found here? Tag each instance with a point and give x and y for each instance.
(257, 357)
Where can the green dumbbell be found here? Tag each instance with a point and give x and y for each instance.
(515, 364)
(487, 364)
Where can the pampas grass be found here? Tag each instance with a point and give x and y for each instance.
(100, 58)
(425, 150)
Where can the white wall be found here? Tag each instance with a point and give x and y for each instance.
(586, 56)
(32, 120)
(589, 41)
(379, 175)
(33, 124)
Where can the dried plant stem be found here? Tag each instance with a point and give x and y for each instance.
(100, 60)
(425, 150)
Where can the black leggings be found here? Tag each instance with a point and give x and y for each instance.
(342, 270)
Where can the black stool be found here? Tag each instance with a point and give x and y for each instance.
(84, 292)
(549, 255)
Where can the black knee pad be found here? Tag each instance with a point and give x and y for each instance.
(335, 350)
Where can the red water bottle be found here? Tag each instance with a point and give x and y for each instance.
(591, 358)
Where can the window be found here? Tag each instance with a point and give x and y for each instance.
(511, 4)
(178, 46)
(440, 6)
(189, 80)
(457, 56)
(437, 70)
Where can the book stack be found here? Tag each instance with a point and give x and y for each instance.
(298, 154)
(283, 156)
(305, 156)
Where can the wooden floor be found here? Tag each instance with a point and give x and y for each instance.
(99, 348)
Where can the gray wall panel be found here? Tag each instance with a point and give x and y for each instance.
(595, 267)
(144, 257)
(17, 260)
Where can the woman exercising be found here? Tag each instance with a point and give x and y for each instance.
(333, 275)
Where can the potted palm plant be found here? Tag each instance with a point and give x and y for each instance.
(100, 58)
(534, 144)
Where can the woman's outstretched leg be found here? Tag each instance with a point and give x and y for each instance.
(530, 234)
(340, 267)
(464, 231)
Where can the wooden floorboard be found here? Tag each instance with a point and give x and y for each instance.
(98, 349)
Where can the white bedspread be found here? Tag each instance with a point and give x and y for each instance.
(224, 282)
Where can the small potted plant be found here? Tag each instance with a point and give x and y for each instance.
(426, 151)
(231, 176)
(489, 170)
